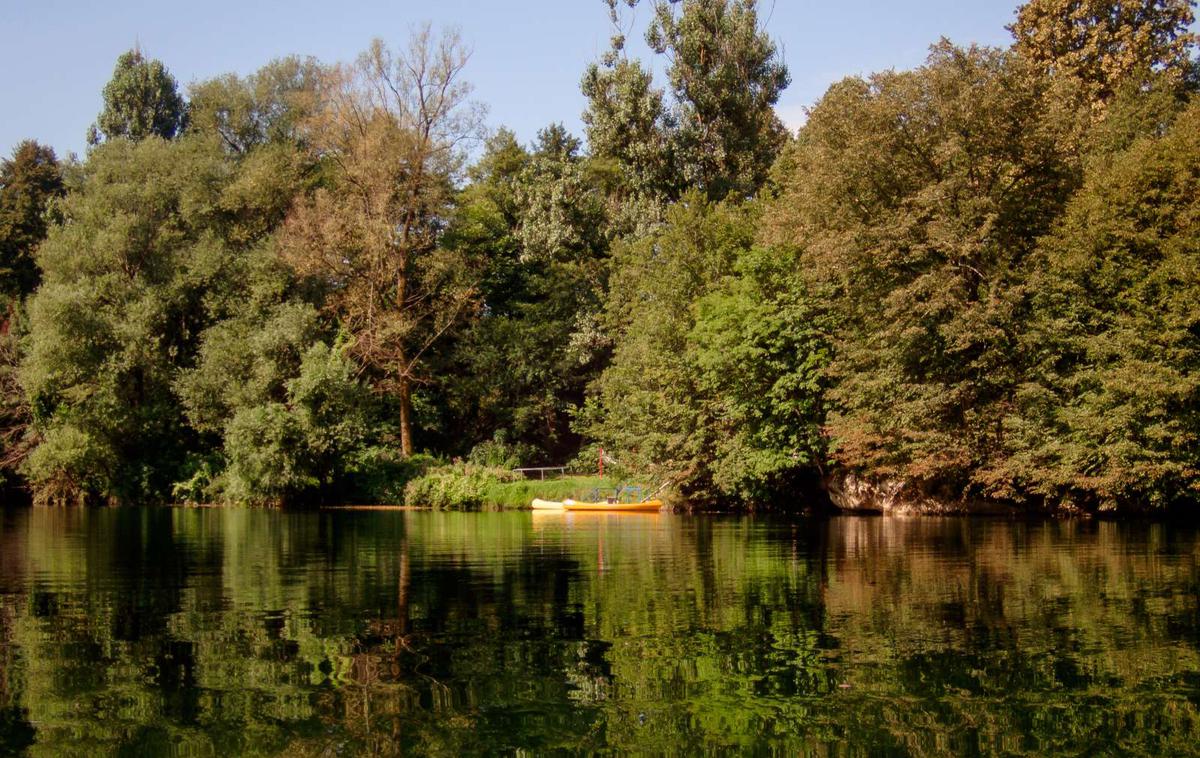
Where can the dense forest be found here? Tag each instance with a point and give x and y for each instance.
(972, 282)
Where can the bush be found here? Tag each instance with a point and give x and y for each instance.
(461, 486)
(380, 474)
(498, 453)
(281, 453)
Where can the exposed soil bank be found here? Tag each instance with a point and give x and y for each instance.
(851, 493)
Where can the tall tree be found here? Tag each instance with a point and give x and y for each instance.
(915, 199)
(628, 123)
(719, 132)
(268, 106)
(392, 131)
(539, 219)
(1110, 414)
(1103, 43)
(726, 77)
(141, 100)
(647, 404)
(28, 182)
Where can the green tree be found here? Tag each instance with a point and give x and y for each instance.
(628, 124)
(29, 181)
(1104, 43)
(719, 131)
(539, 220)
(278, 451)
(391, 133)
(116, 311)
(1108, 417)
(915, 200)
(269, 106)
(162, 241)
(760, 351)
(726, 77)
(141, 100)
(646, 407)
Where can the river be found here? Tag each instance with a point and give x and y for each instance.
(218, 632)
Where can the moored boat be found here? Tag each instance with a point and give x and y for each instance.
(546, 505)
(647, 505)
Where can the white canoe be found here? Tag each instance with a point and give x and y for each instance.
(546, 505)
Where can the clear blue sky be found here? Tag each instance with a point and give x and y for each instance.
(527, 61)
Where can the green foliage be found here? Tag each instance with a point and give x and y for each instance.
(379, 473)
(1106, 44)
(715, 379)
(141, 100)
(17, 436)
(245, 360)
(719, 133)
(538, 219)
(71, 465)
(760, 353)
(268, 106)
(915, 200)
(161, 316)
(119, 308)
(459, 486)
(499, 453)
(628, 123)
(726, 76)
(279, 452)
(1108, 416)
(974, 279)
(29, 183)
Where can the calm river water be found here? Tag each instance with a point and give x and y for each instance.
(241, 632)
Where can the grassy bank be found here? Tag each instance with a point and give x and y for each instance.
(520, 493)
(467, 486)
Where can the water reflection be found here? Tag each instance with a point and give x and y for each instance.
(222, 632)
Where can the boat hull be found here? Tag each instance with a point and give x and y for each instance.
(649, 505)
(546, 505)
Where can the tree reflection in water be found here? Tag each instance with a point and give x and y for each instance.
(219, 632)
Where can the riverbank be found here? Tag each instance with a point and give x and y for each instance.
(519, 494)
(465, 486)
(851, 494)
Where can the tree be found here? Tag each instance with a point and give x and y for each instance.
(161, 243)
(726, 77)
(141, 100)
(269, 106)
(118, 307)
(280, 450)
(646, 405)
(760, 350)
(1103, 43)
(538, 219)
(391, 133)
(628, 124)
(719, 132)
(915, 200)
(29, 182)
(1109, 414)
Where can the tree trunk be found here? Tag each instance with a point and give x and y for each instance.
(406, 445)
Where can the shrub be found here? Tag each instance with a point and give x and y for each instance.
(498, 453)
(379, 474)
(457, 486)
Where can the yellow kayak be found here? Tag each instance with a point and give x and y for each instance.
(648, 505)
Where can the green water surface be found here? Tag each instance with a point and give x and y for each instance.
(205, 632)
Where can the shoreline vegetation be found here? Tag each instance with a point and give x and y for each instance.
(967, 287)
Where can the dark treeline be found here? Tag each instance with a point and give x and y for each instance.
(972, 281)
